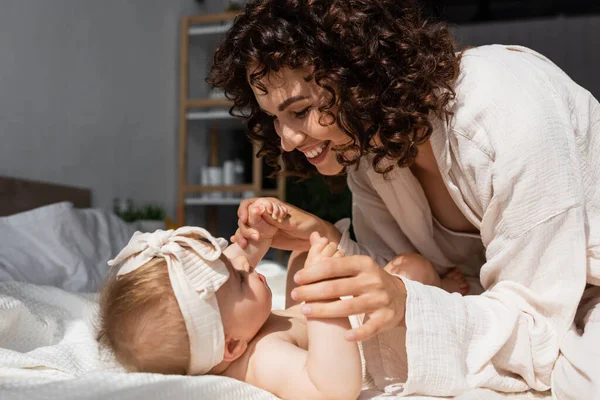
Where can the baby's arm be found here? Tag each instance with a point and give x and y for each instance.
(330, 369)
(333, 363)
(258, 214)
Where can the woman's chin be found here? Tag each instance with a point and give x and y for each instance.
(331, 169)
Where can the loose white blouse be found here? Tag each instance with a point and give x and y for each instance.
(521, 159)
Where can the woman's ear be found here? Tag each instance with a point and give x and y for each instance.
(234, 348)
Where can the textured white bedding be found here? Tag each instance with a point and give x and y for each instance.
(47, 334)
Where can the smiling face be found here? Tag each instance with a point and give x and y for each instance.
(244, 300)
(294, 105)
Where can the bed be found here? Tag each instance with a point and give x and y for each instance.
(19, 195)
(52, 262)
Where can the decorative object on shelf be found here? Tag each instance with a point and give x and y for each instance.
(217, 94)
(229, 176)
(213, 176)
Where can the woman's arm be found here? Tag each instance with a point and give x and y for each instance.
(293, 231)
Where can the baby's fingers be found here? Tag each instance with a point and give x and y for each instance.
(329, 250)
(317, 244)
(339, 253)
(279, 211)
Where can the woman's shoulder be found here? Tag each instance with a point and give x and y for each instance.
(491, 72)
(500, 87)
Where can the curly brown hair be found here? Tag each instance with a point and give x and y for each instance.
(389, 66)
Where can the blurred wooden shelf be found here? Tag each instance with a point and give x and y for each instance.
(216, 201)
(211, 18)
(208, 115)
(219, 188)
(215, 110)
(209, 103)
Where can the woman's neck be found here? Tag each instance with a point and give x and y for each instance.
(425, 162)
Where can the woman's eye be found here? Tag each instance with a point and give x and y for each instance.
(303, 113)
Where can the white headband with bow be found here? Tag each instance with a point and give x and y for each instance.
(196, 273)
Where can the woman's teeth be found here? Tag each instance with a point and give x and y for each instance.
(315, 152)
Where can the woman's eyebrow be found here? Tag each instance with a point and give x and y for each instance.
(289, 101)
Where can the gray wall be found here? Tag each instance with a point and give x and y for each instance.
(88, 89)
(88, 95)
(572, 43)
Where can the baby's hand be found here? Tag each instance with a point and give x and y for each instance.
(262, 213)
(321, 249)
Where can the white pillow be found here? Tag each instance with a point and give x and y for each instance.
(62, 246)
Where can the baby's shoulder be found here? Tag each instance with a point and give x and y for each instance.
(286, 326)
(267, 355)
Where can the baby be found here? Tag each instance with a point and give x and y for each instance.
(182, 302)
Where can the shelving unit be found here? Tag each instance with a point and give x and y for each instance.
(212, 111)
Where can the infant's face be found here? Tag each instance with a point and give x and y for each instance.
(244, 300)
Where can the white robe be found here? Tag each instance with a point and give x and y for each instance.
(521, 159)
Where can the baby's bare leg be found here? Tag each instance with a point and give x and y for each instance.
(455, 282)
(416, 268)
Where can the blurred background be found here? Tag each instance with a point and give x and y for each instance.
(92, 96)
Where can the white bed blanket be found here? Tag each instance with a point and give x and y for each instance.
(48, 351)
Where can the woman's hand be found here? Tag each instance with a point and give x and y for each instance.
(376, 293)
(262, 214)
(293, 233)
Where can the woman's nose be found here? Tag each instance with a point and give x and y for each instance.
(290, 138)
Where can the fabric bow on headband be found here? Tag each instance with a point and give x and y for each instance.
(196, 273)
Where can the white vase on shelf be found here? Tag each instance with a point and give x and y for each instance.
(216, 93)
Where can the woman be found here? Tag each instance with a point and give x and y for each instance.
(487, 160)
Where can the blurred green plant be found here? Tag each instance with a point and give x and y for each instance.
(315, 196)
(148, 212)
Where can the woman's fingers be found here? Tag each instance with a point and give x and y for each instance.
(239, 239)
(369, 329)
(376, 293)
(328, 290)
(247, 232)
(338, 309)
(334, 268)
(243, 209)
